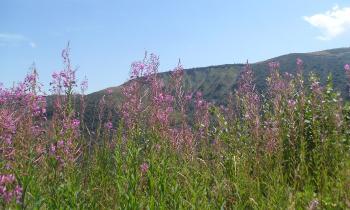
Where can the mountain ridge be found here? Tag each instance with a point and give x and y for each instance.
(287, 62)
(218, 82)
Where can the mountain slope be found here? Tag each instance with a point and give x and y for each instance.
(216, 82)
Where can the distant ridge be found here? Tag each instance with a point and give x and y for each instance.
(217, 82)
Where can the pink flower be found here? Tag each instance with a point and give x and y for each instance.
(291, 103)
(8, 196)
(75, 123)
(60, 143)
(188, 96)
(18, 190)
(144, 168)
(109, 125)
(316, 87)
(347, 67)
(274, 65)
(7, 192)
(53, 149)
(169, 109)
(18, 193)
(199, 94)
(55, 75)
(299, 62)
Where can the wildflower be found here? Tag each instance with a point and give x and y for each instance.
(347, 67)
(288, 76)
(84, 85)
(7, 192)
(18, 190)
(178, 72)
(188, 96)
(75, 123)
(316, 87)
(55, 75)
(53, 149)
(109, 125)
(60, 144)
(347, 70)
(137, 69)
(144, 168)
(249, 99)
(274, 65)
(7, 196)
(291, 103)
(271, 132)
(299, 62)
(201, 113)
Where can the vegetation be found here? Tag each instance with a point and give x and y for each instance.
(217, 82)
(285, 148)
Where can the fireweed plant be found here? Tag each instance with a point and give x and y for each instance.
(285, 148)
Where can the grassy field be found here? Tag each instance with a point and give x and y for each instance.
(285, 149)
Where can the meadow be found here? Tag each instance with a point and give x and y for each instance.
(284, 148)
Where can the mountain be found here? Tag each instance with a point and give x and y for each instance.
(217, 82)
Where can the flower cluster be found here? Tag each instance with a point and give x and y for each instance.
(143, 76)
(131, 106)
(65, 121)
(300, 133)
(22, 112)
(109, 125)
(149, 102)
(9, 189)
(165, 108)
(7, 132)
(201, 114)
(66, 149)
(249, 99)
(347, 72)
(144, 168)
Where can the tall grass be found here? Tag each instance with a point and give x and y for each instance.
(285, 148)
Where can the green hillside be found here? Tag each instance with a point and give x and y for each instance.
(216, 82)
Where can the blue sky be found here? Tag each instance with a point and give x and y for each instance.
(106, 36)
